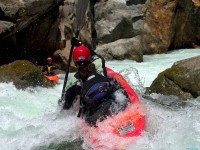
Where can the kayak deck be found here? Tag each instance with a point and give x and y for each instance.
(52, 78)
(120, 130)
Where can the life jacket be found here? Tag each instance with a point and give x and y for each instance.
(95, 89)
(49, 70)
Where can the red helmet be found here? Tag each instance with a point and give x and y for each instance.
(49, 59)
(80, 54)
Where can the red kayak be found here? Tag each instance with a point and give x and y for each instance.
(121, 130)
(54, 78)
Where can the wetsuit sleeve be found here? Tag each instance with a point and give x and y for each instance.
(72, 81)
(70, 95)
(99, 62)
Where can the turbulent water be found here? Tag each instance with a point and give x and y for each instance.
(31, 119)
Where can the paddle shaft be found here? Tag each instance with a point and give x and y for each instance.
(68, 65)
(81, 8)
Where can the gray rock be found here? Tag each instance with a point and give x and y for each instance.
(5, 26)
(114, 21)
(122, 49)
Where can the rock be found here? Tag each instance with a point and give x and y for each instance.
(35, 34)
(5, 26)
(35, 29)
(182, 80)
(67, 18)
(158, 25)
(196, 3)
(171, 25)
(11, 10)
(64, 55)
(122, 49)
(114, 21)
(23, 74)
(172, 102)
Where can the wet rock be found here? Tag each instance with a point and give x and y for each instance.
(182, 80)
(23, 74)
(65, 145)
(170, 101)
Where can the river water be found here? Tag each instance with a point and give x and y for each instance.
(31, 120)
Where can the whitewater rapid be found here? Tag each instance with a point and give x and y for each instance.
(31, 118)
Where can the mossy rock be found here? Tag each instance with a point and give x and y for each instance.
(167, 85)
(182, 80)
(23, 74)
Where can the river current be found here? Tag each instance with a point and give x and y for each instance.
(31, 120)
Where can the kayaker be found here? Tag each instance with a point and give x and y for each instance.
(91, 84)
(49, 68)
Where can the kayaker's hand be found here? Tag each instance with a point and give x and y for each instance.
(75, 42)
(61, 100)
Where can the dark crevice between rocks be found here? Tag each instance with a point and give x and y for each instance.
(135, 2)
(180, 46)
(134, 19)
(2, 14)
(197, 43)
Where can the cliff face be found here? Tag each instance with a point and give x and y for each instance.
(121, 29)
(171, 25)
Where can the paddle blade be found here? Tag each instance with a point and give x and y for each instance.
(81, 8)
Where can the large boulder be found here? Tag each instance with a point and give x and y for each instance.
(159, 26)
(29, 30)
(111, 18)
(171, 25)
(23, 74)
(182, 80)
(122, 49)
(119, 26)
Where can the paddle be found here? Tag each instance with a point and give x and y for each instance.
(80, 12)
